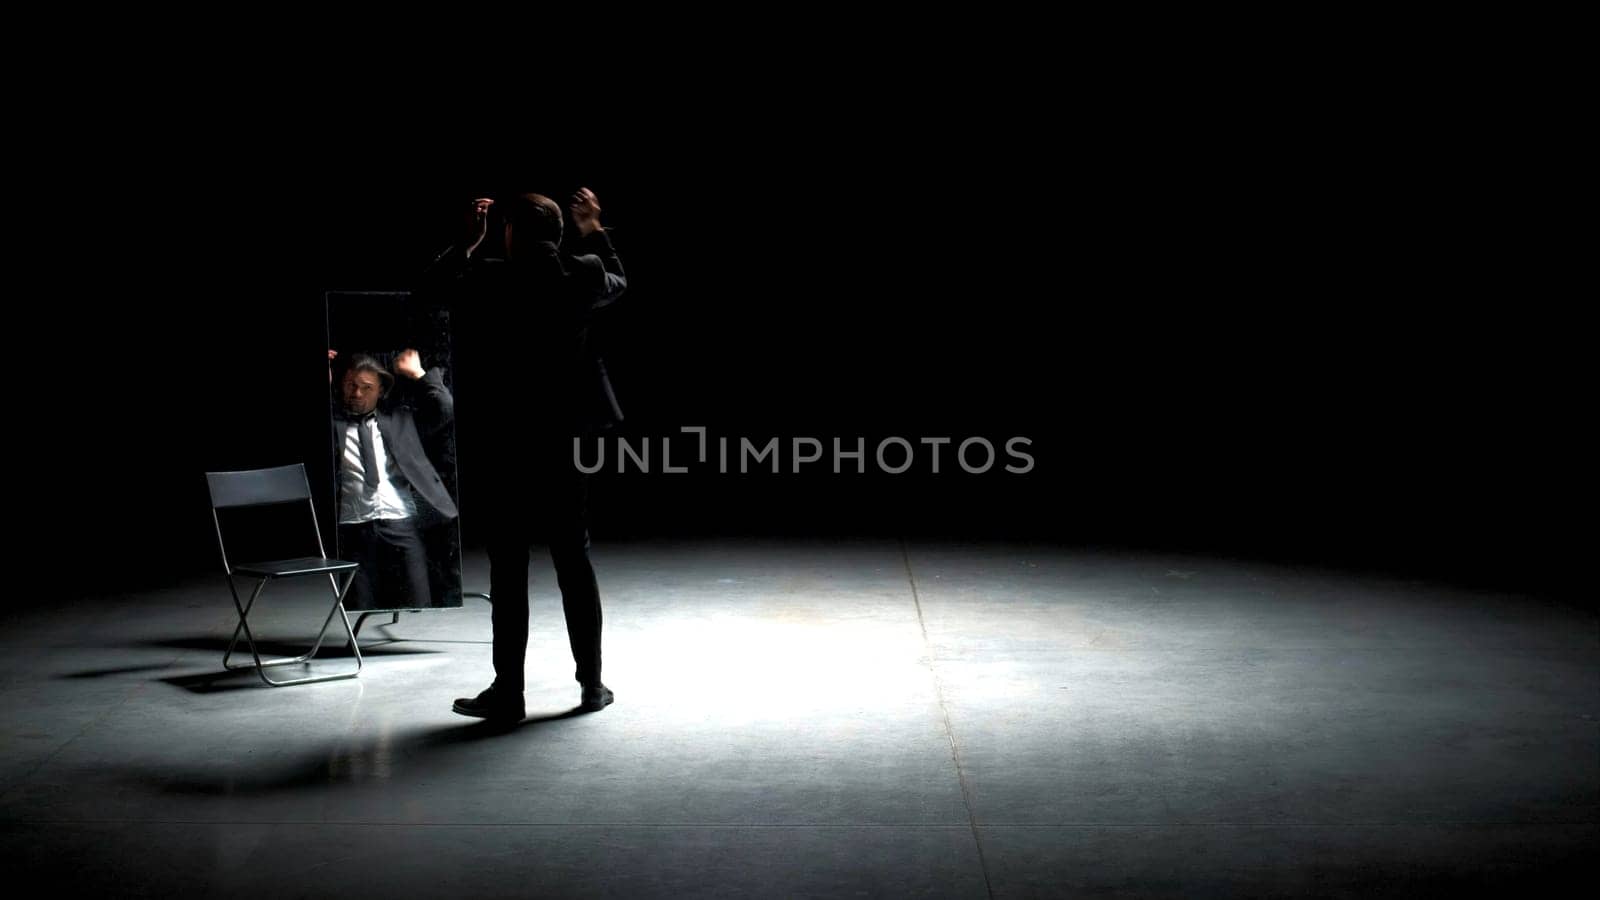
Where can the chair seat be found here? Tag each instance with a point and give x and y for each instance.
(284, 568)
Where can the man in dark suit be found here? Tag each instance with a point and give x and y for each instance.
(529, 385)
(388, 488)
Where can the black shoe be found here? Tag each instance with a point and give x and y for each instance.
(596, 696)
(493, 704)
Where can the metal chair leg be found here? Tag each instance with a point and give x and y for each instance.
(242, 627)
(261, 665)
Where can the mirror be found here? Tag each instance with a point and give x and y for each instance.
(393, 447)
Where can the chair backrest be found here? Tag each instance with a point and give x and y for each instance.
(258, 487)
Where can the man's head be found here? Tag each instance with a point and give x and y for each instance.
(365, 382)
(530, 218)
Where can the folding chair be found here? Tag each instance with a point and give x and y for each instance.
(264, 487)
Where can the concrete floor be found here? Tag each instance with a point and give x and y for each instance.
(829, 719)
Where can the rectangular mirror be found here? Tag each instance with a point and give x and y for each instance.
(393, 447)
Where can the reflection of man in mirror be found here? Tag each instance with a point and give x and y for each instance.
(388, 488)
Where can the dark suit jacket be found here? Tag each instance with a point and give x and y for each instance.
(403, 431)
(521, 356)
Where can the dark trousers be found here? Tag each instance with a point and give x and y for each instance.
(545, 500)
(394, 565)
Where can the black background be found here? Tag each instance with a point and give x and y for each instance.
(1299, 324)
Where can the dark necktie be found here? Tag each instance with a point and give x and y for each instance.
(369, 453)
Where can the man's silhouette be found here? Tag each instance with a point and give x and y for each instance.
(527, 384)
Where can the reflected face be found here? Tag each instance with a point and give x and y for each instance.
(361, 391)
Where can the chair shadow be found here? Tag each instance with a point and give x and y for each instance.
(333, 647)
(435, 752)
(225, 680)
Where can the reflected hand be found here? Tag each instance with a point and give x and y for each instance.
(332, 355)
(477, 223)
(409, 364)
(585, 209)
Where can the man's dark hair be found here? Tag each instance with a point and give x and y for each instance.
(534, 217)
(362, 362)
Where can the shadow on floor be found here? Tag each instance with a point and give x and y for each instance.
(385, 758)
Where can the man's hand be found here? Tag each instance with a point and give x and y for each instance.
(476, 224)
(332, 355)
(409, 364)
(585, 209)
